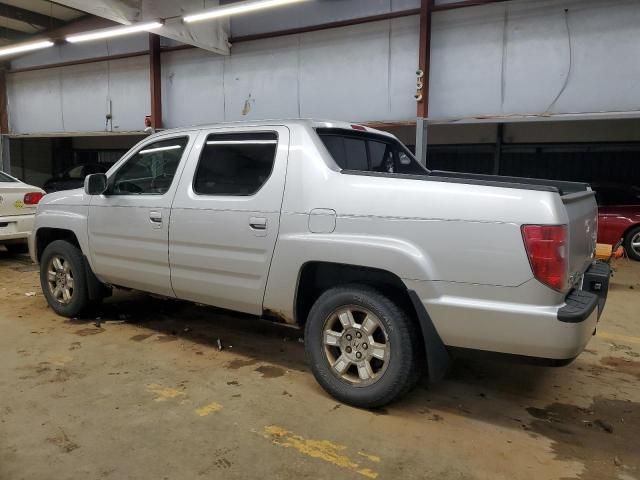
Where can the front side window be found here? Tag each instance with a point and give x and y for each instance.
(151, 170)
(235, 163)
(369, 152)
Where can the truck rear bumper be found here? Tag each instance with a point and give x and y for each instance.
(16, 227)
(557, 332)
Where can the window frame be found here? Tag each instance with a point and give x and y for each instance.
(246, 132)
(111, 176)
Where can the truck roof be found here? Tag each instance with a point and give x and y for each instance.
(309, 122)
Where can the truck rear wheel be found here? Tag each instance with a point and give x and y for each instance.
(63, 279)
(362, 347)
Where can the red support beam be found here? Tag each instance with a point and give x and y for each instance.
(155, 80)
(424, 55)
(4, 116)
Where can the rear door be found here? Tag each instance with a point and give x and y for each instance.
(129, 225)
(226, 215)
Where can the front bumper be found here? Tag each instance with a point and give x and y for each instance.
(580, 304)
(16, 227)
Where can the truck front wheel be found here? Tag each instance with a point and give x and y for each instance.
(362, 347)
(63, 279)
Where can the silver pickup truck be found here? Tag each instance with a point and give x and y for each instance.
(336, 228)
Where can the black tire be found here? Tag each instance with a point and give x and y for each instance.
(628, 238)
(404, 367)
(80, 302)
(17, 248)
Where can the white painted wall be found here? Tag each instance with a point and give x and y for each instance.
(312, 75)
(506, 59)
(74, 99)
(514, 58)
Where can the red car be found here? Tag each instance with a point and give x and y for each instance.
(619, 216)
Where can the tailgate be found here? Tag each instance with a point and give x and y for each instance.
(583, 225)
(11, 199)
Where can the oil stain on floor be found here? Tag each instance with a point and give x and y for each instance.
(597, 436)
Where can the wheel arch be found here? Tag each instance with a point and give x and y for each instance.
(315, 277)
(46, 235)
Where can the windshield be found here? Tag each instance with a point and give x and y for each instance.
(6, 178)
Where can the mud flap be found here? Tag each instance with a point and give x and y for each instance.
(438, 358)
(96, 290)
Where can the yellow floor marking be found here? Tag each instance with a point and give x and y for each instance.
(60, 360)
(164, 393)
(373, 458)
(618, 337)
(213, 407)
(322, 449)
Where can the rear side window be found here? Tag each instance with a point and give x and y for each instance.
(369, 152)
(6, 178)
(235, 163)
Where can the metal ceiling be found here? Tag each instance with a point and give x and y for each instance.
(22, 20)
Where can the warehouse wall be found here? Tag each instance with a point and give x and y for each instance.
(77, 98)
(530, 57)
(318, 74)
(512, 58)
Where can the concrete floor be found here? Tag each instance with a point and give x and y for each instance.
(148, 395)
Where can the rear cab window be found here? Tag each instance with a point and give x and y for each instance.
(369, 152)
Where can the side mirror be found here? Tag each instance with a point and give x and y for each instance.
(95, 184)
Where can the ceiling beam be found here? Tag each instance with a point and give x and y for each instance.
(27, 16)
(13, 35)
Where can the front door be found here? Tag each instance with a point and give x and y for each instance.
(129, 224)
(226, 215)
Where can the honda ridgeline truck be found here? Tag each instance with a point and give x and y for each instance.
(338, 229)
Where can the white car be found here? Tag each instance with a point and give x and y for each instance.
(18, 203)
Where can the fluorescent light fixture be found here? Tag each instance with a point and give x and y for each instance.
(113, 31)
(242, 142)
(237, 8)
(25, 47)
(159, 149)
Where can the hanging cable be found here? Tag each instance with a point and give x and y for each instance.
(566, 80)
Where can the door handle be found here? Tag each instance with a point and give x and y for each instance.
(155, 217)
(258, 223)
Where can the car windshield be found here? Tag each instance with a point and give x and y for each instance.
(76, 172)
(6, 178)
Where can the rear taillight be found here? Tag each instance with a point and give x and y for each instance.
(32, 198)
(547, 250)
